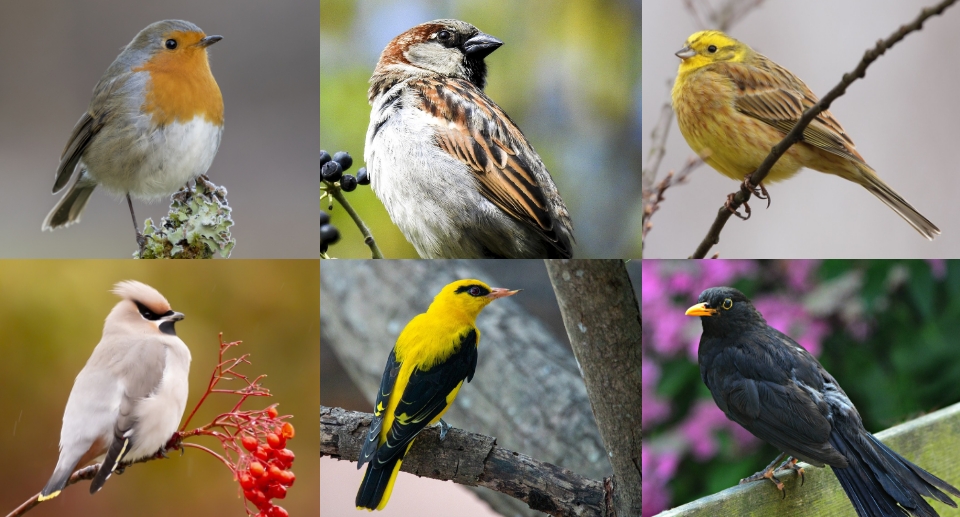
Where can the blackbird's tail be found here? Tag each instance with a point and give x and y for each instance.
(880, 482)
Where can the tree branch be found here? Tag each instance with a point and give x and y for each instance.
(474, 460)
(796, 134)
(602, 318)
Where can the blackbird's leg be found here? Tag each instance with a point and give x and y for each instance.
(767, 473)
(791, 464)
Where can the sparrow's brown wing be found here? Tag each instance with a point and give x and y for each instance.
(775, 96)
(508, 171)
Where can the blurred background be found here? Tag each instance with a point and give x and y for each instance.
(53, 52)
(901, 117)
(51, 318)
(886, 330)
(537, 309)
(568, 74)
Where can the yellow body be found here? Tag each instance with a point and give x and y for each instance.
(427, 341)
(733, 105)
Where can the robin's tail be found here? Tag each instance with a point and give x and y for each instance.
(877, 187)
(70, 205)
(879, 482)
(377, 484)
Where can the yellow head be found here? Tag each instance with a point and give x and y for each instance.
(708, 47)
(468, 297)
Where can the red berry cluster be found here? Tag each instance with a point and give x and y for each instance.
(267, 474)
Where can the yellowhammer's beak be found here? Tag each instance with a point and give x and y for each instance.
(686, 52)
(499, 292)
(701, 309)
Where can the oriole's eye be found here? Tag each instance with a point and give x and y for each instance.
(170, 44)
(711, 49)
(727, 303)
(474, 291)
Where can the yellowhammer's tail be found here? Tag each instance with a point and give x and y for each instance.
(899, 205)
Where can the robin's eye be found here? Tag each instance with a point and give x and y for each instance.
(711, 49)
(474, 291)
(727, 303)
(170, 44)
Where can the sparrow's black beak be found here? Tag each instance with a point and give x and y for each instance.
(481, 45)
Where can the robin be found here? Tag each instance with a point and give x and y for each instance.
(153, 125)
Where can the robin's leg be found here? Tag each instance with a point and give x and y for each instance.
(767, 473)
(140, 240)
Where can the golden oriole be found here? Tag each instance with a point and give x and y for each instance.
(433, 355)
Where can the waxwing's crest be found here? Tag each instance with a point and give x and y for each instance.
(142, 293)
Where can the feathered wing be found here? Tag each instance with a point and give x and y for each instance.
(424, 397)
(481, 134)
(775, 96)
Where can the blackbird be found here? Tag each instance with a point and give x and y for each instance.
(770, 385)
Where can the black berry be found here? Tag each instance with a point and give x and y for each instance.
(329, 234)
(324, 218)
(344, 159)
(324, 158)
(348, 183)
(331, 171)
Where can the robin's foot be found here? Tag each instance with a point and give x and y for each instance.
(767, 473)
(205, 181)
(141, 241)
(729, 206)
(757, 190)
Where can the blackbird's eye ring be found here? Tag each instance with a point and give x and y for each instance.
(712, 49)
(727, 303)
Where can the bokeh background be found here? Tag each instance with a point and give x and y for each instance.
(885, 329)
(568, 74)
(901, 116)
(53, 52)
(51, 318)
(339, 480)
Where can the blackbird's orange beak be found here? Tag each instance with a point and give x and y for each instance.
(701, 309)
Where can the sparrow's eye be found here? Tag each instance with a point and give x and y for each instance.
(444, 36)
(170, 44)
(727, 303)
(711, 49)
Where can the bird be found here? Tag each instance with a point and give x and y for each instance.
(764, 381)
(153, 125)
(433, 355)
(454, 172)
(127, 401)
(734, 104)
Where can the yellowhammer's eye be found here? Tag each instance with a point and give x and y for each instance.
(727, 303)
(711, 49)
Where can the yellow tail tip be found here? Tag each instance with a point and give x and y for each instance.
(45, 497)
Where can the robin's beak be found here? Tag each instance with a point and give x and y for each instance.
(499, 292)
(481, 45)
(701, 309)
(209, 40)
(686, 52)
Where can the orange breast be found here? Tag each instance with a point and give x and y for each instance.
(181, 87)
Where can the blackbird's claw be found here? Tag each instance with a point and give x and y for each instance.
(791, 464)
(767, 473)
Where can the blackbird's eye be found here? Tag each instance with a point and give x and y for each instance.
(170, 44)
(712, 49)
(727, 303)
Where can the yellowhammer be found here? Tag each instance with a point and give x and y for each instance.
(734, 104)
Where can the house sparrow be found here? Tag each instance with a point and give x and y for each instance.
(454, 172)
